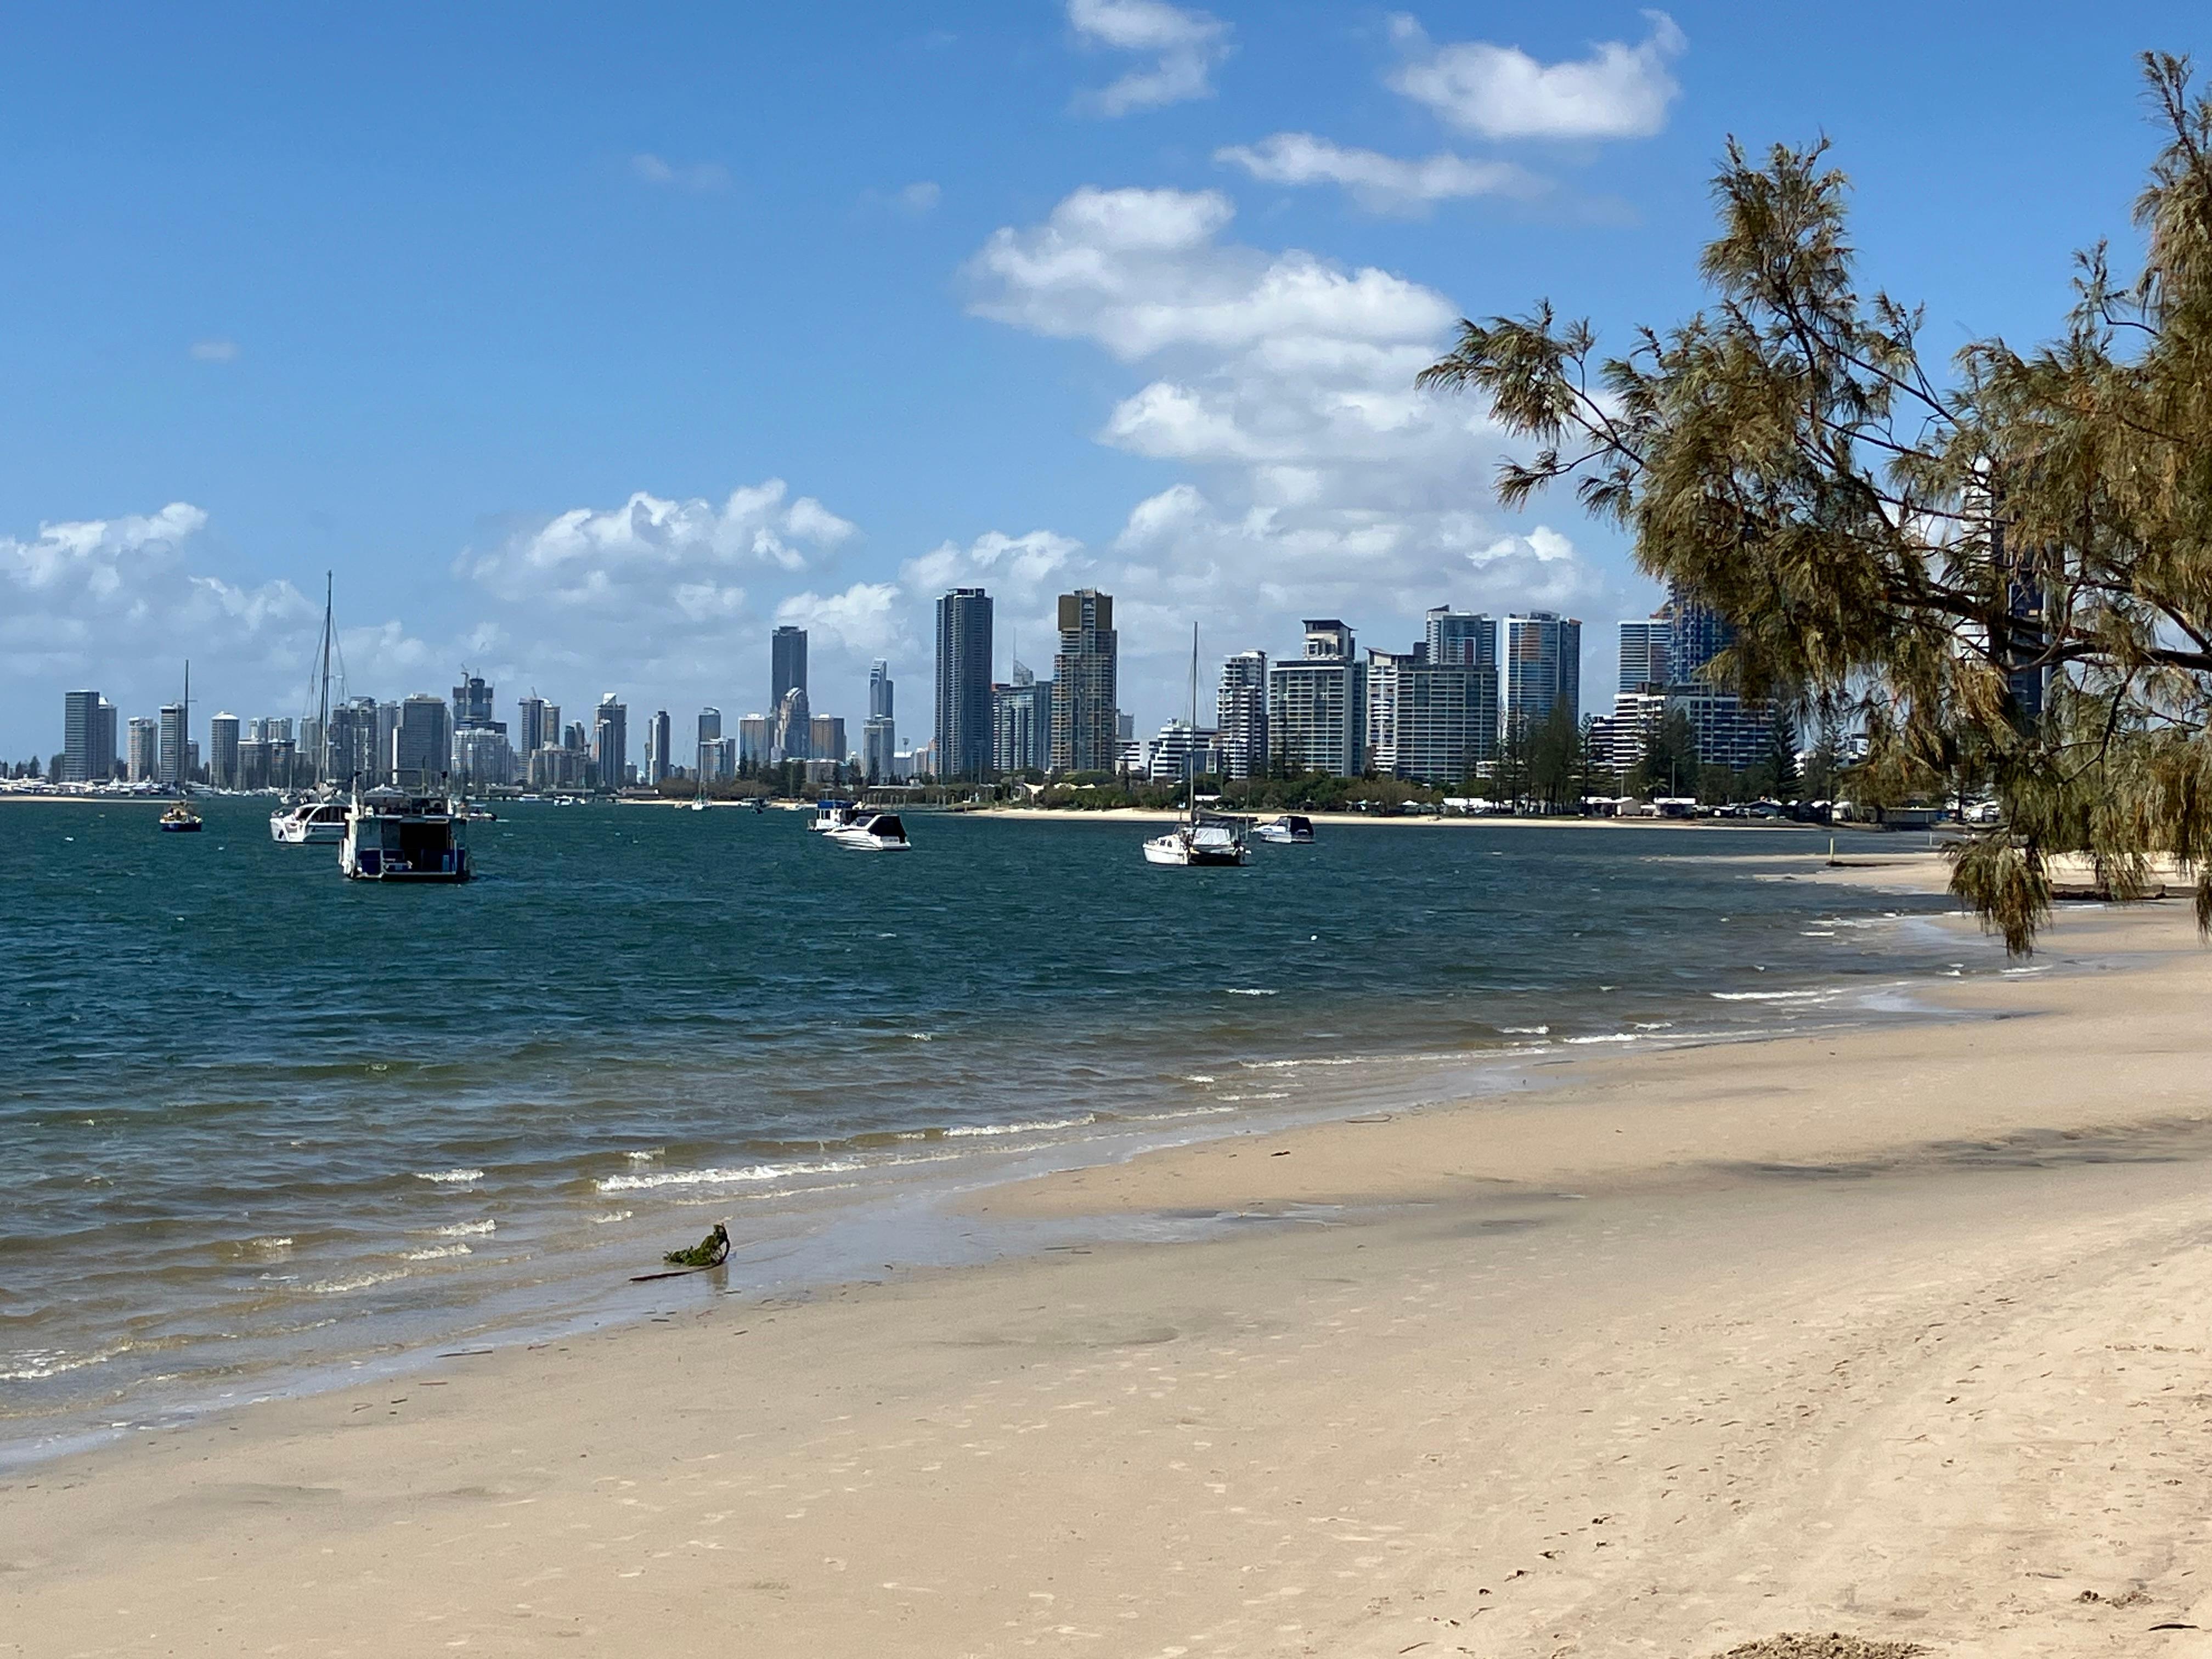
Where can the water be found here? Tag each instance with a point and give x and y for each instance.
(256, 1117)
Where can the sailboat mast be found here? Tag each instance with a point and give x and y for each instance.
(323, 711)
(1190, 750)
(184, 733)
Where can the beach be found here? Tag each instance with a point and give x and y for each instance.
(1896, 1331)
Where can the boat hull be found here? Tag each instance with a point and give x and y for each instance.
(192, 828)
(1175, 850)
(370, 865)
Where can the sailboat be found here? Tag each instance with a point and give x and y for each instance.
(180, 819)
(320, 819)
(1195, 841)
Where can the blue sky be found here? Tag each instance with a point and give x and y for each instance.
(587, 348)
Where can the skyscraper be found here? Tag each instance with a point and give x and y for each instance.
(1241, 712)
(387, 733)
(1543, 667)
(657, 738)
(533, 731)
(710, 744)
(1647, 653)
(1432, 722)
(472, 703)
(87, 737)
(1318, 705)
(1700, 635)
(222, 752)
(826, 737)
(610, 741)
(353, 742)
(756, 739)
(421, 742)
(787, 663)
(145, 750)
(963, 684)
(1021, 723)
(879, 690)
(1461, 639)
(173, 760)
(792, 738)
(1085, 676)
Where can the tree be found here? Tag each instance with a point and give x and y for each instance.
(2004, 570)
(1555, 761)
(1786, 778)
(1511, 773)
(1669, 766)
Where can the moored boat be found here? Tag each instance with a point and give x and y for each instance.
(310, 823)
(394, 835)
(873, 832)
(1214, 839)
(1289, 831)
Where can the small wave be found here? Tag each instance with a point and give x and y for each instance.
(450, 1178)
(611, 1215)
(1768, 996)
(1526, 1030)
(919, 1037)
(645, 1156)
(467, 1229)
(437, 1253)
(1610, 1037)
(1019, 1128)
(359, 1282)
(35, 1364)
(1198, 1077)
(750, 1174)
(1234, 991)
(1655, 1024)
(1295, 1065)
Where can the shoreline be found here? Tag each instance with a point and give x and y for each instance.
(1505, 1319)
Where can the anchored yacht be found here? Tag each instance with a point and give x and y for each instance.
(873, 832)
(394, 835)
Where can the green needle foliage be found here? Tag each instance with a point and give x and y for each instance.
(1916, 551)
(709, 1252)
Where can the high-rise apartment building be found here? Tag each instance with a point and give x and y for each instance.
(472, 701)
(793, 736)
(1543, 668)
(532, 730)
(222, 752)
(879, 690)
(353, 744)
(756, 739)
(1318, 705)
(787, 663)
(421, 742)
(483, 757)
(963, 684)
(1647, 653)
(1084, 679)
(1731, 730)
(1432, 722)
(710, 744)
(610, 741)
(144, 755)
(1021, 724)
(826, 737)
(87, 737)
(387, 733)
(1460, 639)
(657, 738)
(1241, 713)
(174, 760)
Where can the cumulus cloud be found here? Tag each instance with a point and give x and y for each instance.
(1321, 482)
(1382, 184)
(214, 351)
(699, 177)
(1184, 44)
(863, 620)
(1618, 91)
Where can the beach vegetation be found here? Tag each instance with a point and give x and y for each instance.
(1996, 570)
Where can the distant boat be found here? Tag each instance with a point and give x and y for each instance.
(1289, 831)
(873, 832)
(393, 835)
(180, 819)
(830, 815)
(1218, 840)
(319, 819)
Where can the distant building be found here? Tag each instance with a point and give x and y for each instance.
(472, 701)
(794, 737)
(1318, 705)
(610, 741)
(1732, 731)
(1428, 722)
(964, 683)
(756, 739)
(387, 732)
(1461, 639)
(421, 742)
(483, 757)
(710, 742)
(1619, 740)
(1543, 668)
(87, 737)
(657, 764)
(145, 757)
(879, 743)
(1084, 674)
(1125, 726)
(174, 760)
(222, 752)
(1182, 751)
(1647, 653)
(826, 738)
(787, 663)
(879, 690)
(537, 724)
(1241, 712)
(1021, 724)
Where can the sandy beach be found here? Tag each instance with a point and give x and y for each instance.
(1899, 1332)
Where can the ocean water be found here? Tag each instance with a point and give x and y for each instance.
(255, 1118)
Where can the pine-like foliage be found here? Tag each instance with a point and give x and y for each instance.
(1927, 554)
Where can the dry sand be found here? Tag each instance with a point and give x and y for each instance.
(1900, 1334)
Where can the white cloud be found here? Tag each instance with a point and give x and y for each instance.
(921, 195)
(1382, 184)
(1185, 46)
(1321, 482)
(1618, 91)
(862, 621)
(637, 556)
(214, 351)
(698, 177)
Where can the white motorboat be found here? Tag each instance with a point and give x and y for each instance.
(1210, 840)
(830, 816)
(310, 823)
(1288, 830)
(394, 835)
(873, 832)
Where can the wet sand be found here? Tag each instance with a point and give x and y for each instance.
(1899, 1332)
